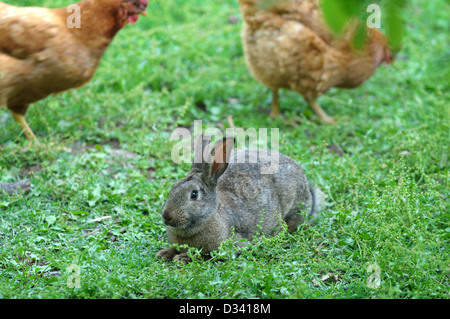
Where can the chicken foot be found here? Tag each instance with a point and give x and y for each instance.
(26, 128)
(320, 112)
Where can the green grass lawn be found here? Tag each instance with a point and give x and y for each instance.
(384, 168)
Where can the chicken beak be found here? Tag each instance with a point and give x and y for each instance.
(144, 13)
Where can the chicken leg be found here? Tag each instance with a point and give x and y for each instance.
(314, 105)
(26, 128)
(320, 112)
(275, 104)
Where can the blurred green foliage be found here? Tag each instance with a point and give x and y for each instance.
(338, 12)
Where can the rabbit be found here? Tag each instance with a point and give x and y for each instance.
(219, 198)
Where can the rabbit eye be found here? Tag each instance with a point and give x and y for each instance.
(194, 194)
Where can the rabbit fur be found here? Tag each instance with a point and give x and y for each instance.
(219, 198)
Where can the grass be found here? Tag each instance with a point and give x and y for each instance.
(384, 168)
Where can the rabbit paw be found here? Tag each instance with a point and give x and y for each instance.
(167, 253)
(183, 257)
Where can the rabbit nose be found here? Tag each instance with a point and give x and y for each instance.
(167, 217)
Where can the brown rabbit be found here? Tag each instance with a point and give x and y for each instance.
(219, 195)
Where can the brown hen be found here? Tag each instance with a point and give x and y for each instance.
(289, 45)
(45, 51)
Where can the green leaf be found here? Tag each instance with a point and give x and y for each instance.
(395, 27)
(365, 236)
(360, 36)
(4, 204)
(80, 213)
(337, 13)
(51, 219)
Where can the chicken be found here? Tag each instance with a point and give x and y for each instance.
(289, 45)
(48, 51)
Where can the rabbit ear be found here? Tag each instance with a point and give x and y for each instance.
(222, 152)
(201, 144)
(211, 167)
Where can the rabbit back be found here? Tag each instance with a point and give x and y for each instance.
(254, 201)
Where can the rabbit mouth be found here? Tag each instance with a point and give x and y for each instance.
(175, 224)
(182, 226)
(187, 229)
